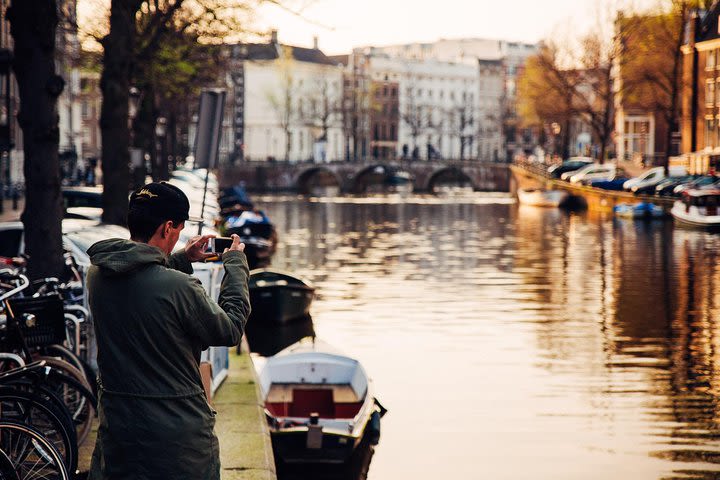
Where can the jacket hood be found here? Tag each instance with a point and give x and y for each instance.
(117, 257)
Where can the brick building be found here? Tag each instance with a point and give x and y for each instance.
(700, 143)
(384, 119)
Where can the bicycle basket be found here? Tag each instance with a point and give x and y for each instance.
(41, 320)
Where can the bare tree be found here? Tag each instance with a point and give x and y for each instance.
(650, 61)
(462, 118)
(325, 112)
(414, 115)
(594, 93)
(284, 103)
(137, 31)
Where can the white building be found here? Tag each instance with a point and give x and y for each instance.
(500, 62)
(289, 105)
(438, 104)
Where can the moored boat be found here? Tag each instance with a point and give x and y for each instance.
(277, 297)
(641, 210)
(698, 208)
(319, 403)
(258, 234)
(542, 198)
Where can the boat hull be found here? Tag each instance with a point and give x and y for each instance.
(682, 217)
(291, 447)
(279, 304)
(542, 198)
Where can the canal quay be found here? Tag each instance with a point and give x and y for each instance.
(509, 341)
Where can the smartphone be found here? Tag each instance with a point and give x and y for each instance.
(219, 244)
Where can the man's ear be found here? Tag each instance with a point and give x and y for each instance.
(166, 228)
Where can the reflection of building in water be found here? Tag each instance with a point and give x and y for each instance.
(695, 335)
(562, 262)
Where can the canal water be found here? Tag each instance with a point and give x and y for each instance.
(512, 342)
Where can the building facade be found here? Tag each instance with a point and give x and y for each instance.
(289, 106)
(700, 143)
(437, 107)
(511, 55)
(11, 159)
(384, 119)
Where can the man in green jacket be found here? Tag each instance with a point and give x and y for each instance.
(152, 320)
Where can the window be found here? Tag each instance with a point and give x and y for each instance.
(710, 92)
(711, 59)
(710, 132)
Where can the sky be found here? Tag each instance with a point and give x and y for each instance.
(341, 25)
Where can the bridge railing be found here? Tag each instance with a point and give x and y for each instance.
(534, 167)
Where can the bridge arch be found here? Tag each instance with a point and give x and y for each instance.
(451, 174)
(372, 174)
(316, 177)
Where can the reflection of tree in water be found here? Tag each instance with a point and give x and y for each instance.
(356, 468)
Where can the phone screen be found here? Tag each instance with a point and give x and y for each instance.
(219, 244)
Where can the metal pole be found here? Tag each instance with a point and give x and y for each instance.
(202, 209)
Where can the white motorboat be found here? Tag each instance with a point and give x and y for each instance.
(542, 198)
(698, 208)
(318, 403)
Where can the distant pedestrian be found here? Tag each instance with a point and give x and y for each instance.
(152, 320)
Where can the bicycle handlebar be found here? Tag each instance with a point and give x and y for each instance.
(25, 284)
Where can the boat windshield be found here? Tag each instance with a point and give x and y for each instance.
(703, 200)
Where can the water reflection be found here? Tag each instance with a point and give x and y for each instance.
(517, 342)
(267, 340)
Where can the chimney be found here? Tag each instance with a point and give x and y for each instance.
(315, 43)
(274, 36)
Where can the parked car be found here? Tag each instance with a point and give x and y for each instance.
(614, 184)
(652, 176)
(593, 172)
(82, 197)
(699, 182)
(570, 165)
(12, 235)
(666, 187)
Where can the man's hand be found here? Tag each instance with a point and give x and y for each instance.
(195, 248)
(237, 245)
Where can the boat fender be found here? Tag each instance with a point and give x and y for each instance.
(373, 428)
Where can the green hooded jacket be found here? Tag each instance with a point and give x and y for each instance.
(152, 320)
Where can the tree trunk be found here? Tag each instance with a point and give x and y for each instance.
(33, 24)
(115, 86)
(288, 138)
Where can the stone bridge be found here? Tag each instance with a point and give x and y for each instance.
(356, 177)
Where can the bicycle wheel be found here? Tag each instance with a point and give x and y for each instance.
(61, 352)
(30, 453)
(7, 470)
(69, 385)
(27, 408)
(73, 389)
